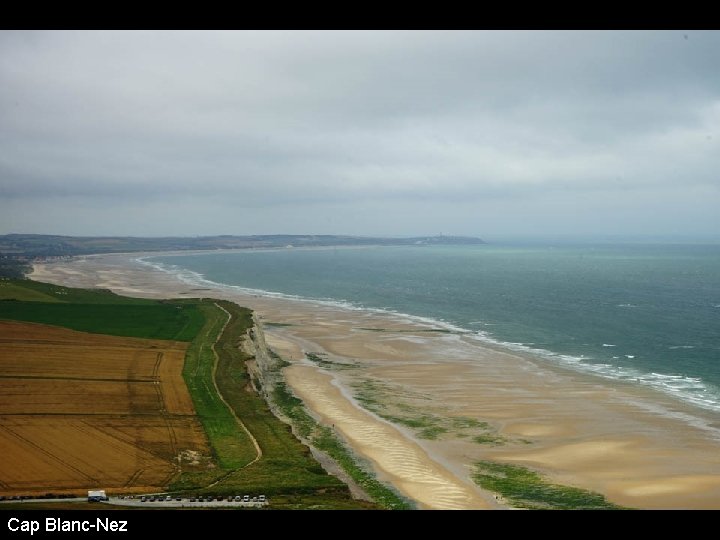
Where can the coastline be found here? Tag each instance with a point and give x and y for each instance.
(386, 374)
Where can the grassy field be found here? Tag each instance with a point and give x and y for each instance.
(98, 311)
(25, 289)
(232, 448)
(13, 290)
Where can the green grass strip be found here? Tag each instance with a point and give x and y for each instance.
(231, 446)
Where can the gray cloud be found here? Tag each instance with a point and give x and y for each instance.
(358, 132)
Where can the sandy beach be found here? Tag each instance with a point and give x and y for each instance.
(423, 405)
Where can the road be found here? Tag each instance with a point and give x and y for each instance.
(185, 503)
(135, 503)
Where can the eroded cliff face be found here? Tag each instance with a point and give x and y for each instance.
(264, 366)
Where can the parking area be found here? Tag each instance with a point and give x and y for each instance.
(167, 501)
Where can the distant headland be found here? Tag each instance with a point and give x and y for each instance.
(17, 250)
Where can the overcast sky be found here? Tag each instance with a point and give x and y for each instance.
(367, 133)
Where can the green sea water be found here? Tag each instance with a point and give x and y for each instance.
(648, 314)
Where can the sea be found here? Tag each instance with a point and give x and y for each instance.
(648, 314)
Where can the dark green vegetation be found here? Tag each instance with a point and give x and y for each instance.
(98, 311)
(286, 471)
(320, 360)
(13, 266)
(525, 488)
(324, 439)
(489, 438)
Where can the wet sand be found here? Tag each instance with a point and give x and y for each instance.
(639, 447)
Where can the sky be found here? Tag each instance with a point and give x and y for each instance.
(392, 133)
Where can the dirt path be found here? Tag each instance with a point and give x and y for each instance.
(258, 450)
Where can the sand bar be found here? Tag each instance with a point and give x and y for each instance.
(637, 446)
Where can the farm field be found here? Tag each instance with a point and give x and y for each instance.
(138, 396)
(80, 410)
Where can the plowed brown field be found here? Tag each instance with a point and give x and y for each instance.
(81, 411)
